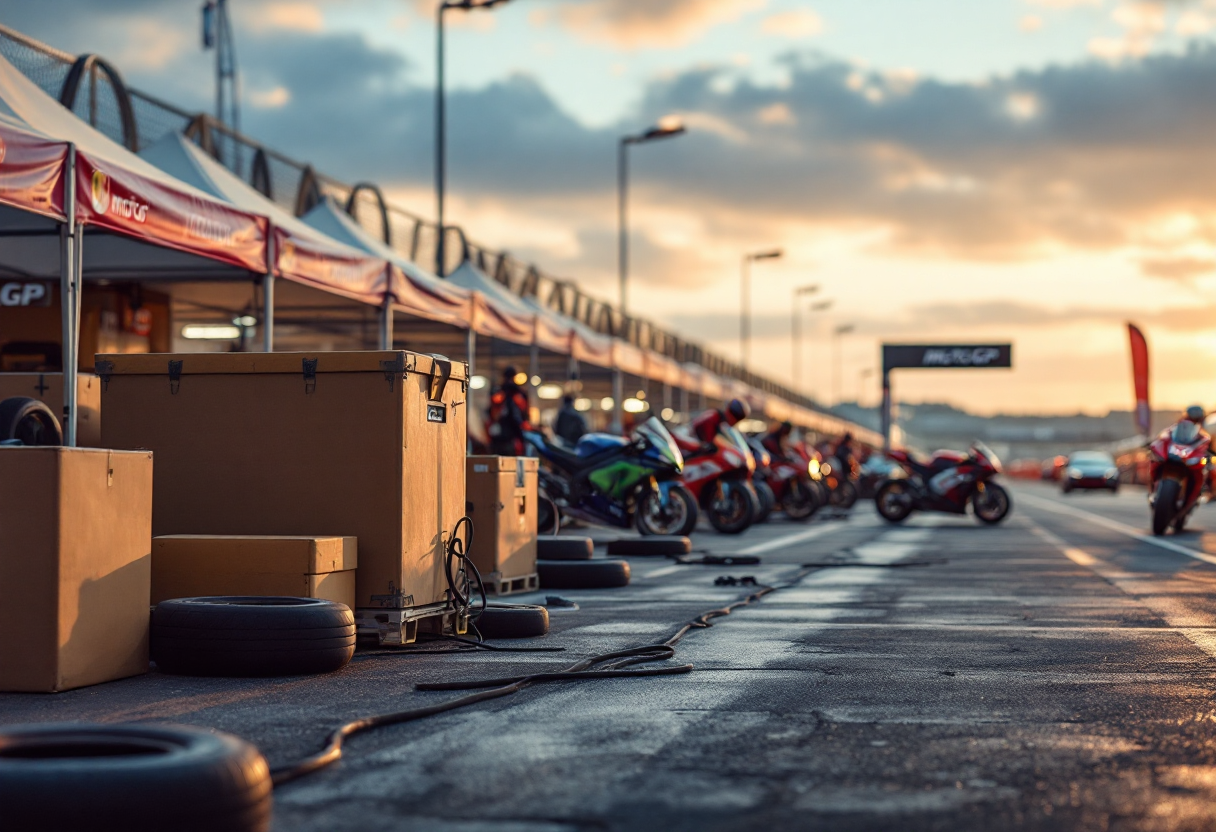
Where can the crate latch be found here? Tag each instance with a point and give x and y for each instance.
(310, 374)
(175, 377)
(393, 369)
(104, 370)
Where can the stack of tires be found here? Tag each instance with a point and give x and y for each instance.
(568, 563)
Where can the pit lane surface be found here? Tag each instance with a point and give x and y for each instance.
(1054, 672)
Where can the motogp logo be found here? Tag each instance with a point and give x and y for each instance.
(960, 357)
(99, 190)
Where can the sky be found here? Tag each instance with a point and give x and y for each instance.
(1034, 171)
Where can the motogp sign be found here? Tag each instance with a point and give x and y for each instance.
(25, 293)
(946, 356)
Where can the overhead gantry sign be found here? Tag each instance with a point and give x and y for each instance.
(936, 357)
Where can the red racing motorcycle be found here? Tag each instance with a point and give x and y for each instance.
(947, 482)
(1177, 474)
(719, 476)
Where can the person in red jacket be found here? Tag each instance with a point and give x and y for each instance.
(777, 440)
(508, 416)
(705, 427)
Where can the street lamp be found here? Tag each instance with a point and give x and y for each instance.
(862, 376)
(745, 307)
(796, 333)
(843, 329)
(441, 120)
(667, 128)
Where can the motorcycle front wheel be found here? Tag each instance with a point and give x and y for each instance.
(768, 501)
(893, 502)
(731, 509)
(1165, 504)
(802, 500)
(992, 504)
(845, 495)
(678, 518)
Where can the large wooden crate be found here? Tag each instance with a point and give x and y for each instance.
(502, 493)
(48, 388)
(363, 444)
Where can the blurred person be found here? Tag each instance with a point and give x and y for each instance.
(778, 441)
(508, 416)
(569, 425)
(705, 426)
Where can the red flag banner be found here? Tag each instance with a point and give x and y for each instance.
(1140, 377)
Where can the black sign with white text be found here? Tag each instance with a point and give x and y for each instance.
(25, 293)
(946, 356)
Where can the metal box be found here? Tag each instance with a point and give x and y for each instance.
(369, 445)
(502, 505)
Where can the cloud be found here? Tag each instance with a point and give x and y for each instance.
(1177, 268)
(1030, 23)
(650, 23)
(800, 23)
(297, 15)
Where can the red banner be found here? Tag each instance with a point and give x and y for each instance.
(432, 300)
(110, 197)
(1140, 378)
(343, 271)
(31, 171)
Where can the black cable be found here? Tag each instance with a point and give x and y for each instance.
(613, 665)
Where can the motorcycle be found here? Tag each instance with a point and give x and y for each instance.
(760, 479)
(719, 476)
(795, 482)
(948, 482)
(617, 481)
(838, 477)
(1177, 475)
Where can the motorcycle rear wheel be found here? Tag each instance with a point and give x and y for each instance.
(767, 501)
(1165, 505)
(845, 495)
(679, 519)
(991, 505)
(733, 513)
(893, 502)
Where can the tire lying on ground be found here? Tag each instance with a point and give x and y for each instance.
(513, 621)
(550, 547)
(137, 778)
(251, 636)
(652, 545)
(586, 574)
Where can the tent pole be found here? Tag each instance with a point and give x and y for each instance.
(534, 361)
(684, 405)
(471, 350)
(268, 312)
(618, 395)
(68, 288)
(386, 324)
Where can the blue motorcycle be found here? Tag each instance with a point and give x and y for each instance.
(615, 481)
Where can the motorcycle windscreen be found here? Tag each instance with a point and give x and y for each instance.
(987, 453)
(1185, 433)
(659, 438)
(736, 439)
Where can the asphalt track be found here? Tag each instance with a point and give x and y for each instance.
(1055, 672)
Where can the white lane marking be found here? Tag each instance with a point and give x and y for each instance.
(666, 570)
(790, 539)
(1170, 610)
(1122, 528)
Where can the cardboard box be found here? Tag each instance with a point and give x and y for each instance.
(192, 565)
(501, 495)
(362, 444)
(75, 566)
(48, 388)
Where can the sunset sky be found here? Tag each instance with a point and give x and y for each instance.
(1038, 171)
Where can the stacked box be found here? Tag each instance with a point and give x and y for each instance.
(48, 389)
(75, 566)
(501, 495)
(193, 565)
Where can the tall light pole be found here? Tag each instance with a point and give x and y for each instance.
(862, 376)
(745, 297)
(217, 35)
(843, 329)
(441, 123)
(821, 306)
(796, 334)
(668, 127)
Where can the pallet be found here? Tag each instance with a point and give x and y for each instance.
(496, 584)
(401, 626)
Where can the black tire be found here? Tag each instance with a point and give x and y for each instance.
(548, 518)
(251, 636)
(735, 513)
(893, 502)
(588, 574)
(29, 421)
(513, 621)
(845, 495)
(661, 545)
(137, 778)
(992, 505)
(564, 548)
(679, 520)
(801, 500)
(1165, 505)
(767, 500)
